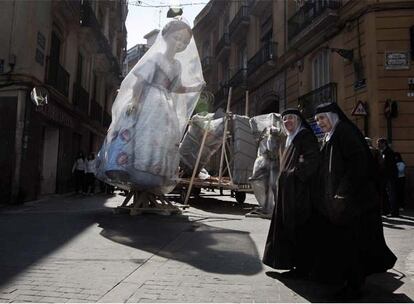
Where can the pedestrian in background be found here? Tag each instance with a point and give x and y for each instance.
(90, 174)
(78, 170)
(376, 155)
(351, 241)
(389, 176)
(400, 181)
(290, 234)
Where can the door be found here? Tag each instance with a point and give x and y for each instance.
(49, 162)
(7, 144)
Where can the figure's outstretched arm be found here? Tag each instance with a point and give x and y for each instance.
(197, 88)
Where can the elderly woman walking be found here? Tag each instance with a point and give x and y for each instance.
(351, 241)
(287, 245)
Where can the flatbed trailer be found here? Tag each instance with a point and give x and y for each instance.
(213, 182)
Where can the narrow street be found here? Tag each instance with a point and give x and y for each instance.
(75, 249)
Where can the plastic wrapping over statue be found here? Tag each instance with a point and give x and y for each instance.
(150, 113)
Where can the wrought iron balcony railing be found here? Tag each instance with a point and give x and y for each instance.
(80, 98)
(309, 101)
(221, 94)
(239, 79)
(257, 7)
(267, 53)
(207, 62)
(307, 13)
(224, 42)
(96, 111)
(58, 77)
(242, 17)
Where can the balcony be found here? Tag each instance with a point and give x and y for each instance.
(207, 63)
(240, 24)
(88, 20)
(309, 102)
(223, 47)
(58, 77)
(313, 17)
(267, 55)
(258, 7)
(239, 79)
(80, 98)
(96, 111)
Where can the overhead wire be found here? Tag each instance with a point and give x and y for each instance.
(160, 5)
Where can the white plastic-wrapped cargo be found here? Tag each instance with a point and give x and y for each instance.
(150, 113)
(243, 149)
(267, 130)
(190, 145)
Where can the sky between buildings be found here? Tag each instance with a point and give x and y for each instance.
(142, 20)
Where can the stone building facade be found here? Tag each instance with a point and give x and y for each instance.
(73, 51)
(303, 53)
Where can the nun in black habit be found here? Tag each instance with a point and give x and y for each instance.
(351, 239)
(287, 245)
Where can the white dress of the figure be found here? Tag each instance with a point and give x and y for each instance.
(140, 151)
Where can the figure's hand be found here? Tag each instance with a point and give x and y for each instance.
(131, 108)
(201, 86)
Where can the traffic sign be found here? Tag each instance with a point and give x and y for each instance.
(359, 109)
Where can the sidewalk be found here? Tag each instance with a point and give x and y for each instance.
(75, 249)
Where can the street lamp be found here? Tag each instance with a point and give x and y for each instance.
(174, 12)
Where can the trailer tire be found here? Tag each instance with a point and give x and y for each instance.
(240, 197)
(183, 194)
(196, 191)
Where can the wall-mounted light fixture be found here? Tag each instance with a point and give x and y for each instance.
(344, 53)
(348, 55)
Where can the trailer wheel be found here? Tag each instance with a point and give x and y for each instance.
(196, 191)
(183, 194)
(240, 197)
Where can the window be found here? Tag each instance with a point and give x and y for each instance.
(320, 69)
(225, 73)
(206, 49)
(95, 87)
(79, 69)
(243, 57)
(55, 48)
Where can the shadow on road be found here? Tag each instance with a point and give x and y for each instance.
(207, 248)
(32, 232)
(379, 288)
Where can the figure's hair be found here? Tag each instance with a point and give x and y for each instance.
(398, 157)
(382, 140)
(174, 26)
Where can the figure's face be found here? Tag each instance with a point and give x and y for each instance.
(381, 145)
(178, 40)
(290, 121)
(323, 122)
